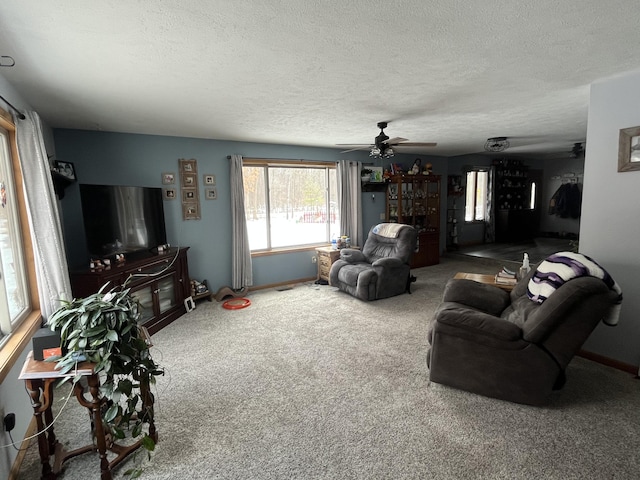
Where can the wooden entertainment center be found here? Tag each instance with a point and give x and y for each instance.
(160, 282)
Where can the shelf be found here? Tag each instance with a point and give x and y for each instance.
(199, 296)
(374, 186)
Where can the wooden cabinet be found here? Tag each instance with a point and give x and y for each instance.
(159, 282)
(415, 200)
(512, 186)
(514, 217)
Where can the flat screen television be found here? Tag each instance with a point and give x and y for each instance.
(122, 219)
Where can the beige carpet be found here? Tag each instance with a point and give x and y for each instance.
(310, 383)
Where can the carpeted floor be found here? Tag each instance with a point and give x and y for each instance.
(310, 383)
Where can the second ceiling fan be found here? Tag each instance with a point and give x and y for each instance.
(384, 146)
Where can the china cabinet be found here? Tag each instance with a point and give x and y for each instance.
(415, 200)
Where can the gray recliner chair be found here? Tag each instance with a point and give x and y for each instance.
(504, 345)
(381, 269)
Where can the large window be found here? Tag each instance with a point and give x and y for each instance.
(14, 295)
(289, 205)
(475, 209)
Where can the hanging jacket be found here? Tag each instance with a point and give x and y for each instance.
(567, 201)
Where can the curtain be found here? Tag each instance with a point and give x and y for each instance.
(490, 217)
(44, 217)
(242, 273)
(350, 200)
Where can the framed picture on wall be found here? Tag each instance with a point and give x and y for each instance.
(189, 195)
(66, 169)
(168, 178)
(188, 180)
(169, 193)
(210, 194)
(188, 166)
(629, 149)
(190, 211)
(209, 180)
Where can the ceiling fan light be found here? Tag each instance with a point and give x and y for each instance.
(375, 152)
(388, 153)
(496, 144)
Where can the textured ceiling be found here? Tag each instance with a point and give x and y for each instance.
(319, 73)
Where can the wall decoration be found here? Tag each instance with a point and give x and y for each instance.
(376, 174)
(189, 189)
(209, 180)
(169, 193)
(189, 195)
(168, 178)
(66, 169)
(191, 211)
(629, 149)
(210, 194)
(189, 180)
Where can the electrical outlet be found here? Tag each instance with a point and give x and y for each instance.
(382, 216)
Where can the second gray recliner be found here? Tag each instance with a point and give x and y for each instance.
(381, 269)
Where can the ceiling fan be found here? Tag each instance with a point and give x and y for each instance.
(577, 151)
(384, 146)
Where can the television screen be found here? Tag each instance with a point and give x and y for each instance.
(121, 219)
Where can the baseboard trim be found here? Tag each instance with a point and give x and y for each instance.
(609, 362)
(280, 284)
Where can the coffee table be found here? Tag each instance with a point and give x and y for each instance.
(484, 278)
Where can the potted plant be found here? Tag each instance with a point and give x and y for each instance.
(103, 329)
(365, 174)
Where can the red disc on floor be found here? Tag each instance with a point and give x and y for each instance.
(236, 303)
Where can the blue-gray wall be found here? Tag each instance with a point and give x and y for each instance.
(129, 159)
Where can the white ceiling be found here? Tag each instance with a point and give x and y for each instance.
(322, 72)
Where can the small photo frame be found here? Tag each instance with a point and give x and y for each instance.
(169, 193)
(189, 180)
(189, 304)
(66, 169)
(188, 166)
(376, 174)
(210, 193)
(629, 149)
(168, 178)
(189, 195)
(209, 180)
(190, 211)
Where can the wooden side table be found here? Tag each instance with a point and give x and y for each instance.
(39, 378)
(325, 257)
(484, 278)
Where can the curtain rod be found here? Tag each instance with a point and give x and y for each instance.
(20, 114)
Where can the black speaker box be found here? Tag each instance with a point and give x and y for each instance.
(42, 340)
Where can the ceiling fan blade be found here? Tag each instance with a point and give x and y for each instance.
(417, 144)
(394, 140)
(364, 147)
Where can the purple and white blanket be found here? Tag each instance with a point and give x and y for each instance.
(561, 267)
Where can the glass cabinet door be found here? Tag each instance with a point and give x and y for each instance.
(145, 299)
(166, 293)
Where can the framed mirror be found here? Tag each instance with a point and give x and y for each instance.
(629, 149)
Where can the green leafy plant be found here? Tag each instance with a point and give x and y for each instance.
(574, 245)
(103, 328)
